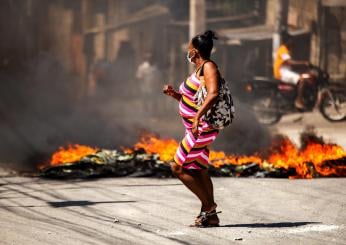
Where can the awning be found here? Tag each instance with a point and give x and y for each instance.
(334, 3)
(247, 33)
(147, 13)
(253, 33)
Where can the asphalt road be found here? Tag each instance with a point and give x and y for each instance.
(292, 125)
(158, 211)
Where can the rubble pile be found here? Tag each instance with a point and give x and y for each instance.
(113, 163)
(150, 157)
(110, 163)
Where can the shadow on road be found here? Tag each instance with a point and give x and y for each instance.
(63, 204)
(150, 185)
(271, 225)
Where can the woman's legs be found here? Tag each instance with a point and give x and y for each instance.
(191, 181)
(207, 185)
(205, 181)
(200, 184)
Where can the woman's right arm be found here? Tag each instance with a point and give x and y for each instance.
(168, 90)
(176, 96)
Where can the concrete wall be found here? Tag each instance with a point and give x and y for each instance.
(60, 26)
(328, 34)
(335, 42)
(271, 12)
(305, 15)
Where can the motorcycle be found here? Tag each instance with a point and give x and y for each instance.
(270, 99)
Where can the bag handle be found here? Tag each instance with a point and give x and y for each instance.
(201, 68)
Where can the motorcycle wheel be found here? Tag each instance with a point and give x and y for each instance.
(333, 106)
(266, 111)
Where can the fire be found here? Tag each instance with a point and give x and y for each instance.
(71, 153)
(287, 156)
(315, 154)
(166, 148)
(314, 159)
(219, 158)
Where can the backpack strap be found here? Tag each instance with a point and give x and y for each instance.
(201, 74)
(201, 69)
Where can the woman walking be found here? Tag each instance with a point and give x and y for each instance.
(191, 160)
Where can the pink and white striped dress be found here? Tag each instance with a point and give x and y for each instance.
(193, 153)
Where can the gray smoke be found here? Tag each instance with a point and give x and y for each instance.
(42, 110)
(43, 106)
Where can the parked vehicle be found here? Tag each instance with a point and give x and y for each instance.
(270, 99)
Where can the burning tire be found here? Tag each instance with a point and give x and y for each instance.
(266, 111)
(333, 106)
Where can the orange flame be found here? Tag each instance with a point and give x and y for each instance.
(286, 156)
(166, 148)
(71, 153)
(314, 153)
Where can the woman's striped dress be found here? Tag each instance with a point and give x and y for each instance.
(193, 153)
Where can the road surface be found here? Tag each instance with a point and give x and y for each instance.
(293, 125)
(158, 211)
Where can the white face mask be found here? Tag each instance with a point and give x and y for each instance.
(189, 58)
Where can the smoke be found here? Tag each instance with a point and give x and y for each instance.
(246, 135)
(43, 106)
(42, 109)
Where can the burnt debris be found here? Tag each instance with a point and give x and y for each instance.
(113, 163)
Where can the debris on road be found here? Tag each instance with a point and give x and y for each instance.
(151, 157)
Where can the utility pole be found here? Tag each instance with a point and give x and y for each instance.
(197, 19)
(322, 48)
(280, 23)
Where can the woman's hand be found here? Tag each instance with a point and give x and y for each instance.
(194, 128)
(169, 90)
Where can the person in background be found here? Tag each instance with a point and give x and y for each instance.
(150, 77)
(282, 68)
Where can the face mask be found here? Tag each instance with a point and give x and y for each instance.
(189, 58)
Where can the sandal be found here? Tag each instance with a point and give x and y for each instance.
(212, 209)
(202, 219)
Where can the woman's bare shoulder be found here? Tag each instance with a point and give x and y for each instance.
(210, 67)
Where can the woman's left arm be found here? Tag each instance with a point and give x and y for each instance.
(211, 79)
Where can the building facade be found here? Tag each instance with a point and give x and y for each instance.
(85, 34)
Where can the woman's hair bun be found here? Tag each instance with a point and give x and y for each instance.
(204, 43)
(210, 35)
